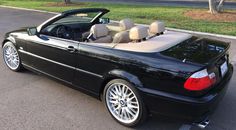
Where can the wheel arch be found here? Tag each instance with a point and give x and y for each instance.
(9, 39)
(120, 74)
(5, 41)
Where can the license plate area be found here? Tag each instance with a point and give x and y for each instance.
(224, 68)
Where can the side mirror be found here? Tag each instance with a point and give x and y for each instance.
(32, 31)
(104, 20)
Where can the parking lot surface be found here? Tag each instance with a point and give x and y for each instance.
(30, 101)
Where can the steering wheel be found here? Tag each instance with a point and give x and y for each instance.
(63, 31)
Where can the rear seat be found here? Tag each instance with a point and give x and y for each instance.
(124, 25)
(122, 31)
(142, 33)
(156, 28)
(128, 33)
(138, 34)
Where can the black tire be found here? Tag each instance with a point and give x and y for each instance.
(142, 108)
(19, 66)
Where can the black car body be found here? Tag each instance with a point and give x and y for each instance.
(159, 77)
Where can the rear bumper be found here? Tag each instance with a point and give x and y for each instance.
(187, 108)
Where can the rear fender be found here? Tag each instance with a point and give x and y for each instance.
(126, 76)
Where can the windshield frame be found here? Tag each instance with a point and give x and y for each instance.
(71, 12)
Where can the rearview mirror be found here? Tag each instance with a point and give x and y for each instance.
(82, 15)
(32, 31)
(104, 20)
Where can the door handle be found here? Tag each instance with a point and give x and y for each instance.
(71, 49)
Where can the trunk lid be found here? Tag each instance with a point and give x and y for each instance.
(198, 50)
(210, 54)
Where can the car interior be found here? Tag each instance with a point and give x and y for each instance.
(81, 27)
(89, 29)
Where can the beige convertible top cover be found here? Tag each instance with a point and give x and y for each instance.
(156, 44)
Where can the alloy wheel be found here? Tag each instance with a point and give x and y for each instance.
(11, 57)
(122, 103)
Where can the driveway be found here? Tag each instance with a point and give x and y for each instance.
(30, 101)
(174, 3)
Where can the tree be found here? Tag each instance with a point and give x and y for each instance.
(216, 6)
(67, 1)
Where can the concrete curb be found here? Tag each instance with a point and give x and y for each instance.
(35, 10)
(198, 33)
(203, 33)
(172, 29)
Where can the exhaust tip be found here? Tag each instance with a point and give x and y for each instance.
(203, 124)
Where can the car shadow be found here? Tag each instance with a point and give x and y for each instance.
(161, 123)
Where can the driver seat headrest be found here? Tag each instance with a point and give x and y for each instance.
(99, 33)
(99, 30)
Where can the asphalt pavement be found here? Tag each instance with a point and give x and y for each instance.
(174, 3)
(34, 102)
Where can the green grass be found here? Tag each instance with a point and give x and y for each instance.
(172, 16)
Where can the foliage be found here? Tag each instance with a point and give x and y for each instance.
(172, 16)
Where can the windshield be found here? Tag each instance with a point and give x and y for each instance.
(78, 18)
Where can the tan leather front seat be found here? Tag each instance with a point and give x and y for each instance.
(156, 28)
(138, 33)
(99, 33)
(123, 35)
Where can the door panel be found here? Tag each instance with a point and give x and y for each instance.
(51, 55)
(92, 64)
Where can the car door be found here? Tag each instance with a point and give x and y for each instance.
(52, 56)
(93, 63)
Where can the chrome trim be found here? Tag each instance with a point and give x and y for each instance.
(91, 73)
(49, 45)
(203, 124)
(28, 53)
(71, 67)
(62, 39)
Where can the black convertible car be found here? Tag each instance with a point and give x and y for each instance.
(134, 70)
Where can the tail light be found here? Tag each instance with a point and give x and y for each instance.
(200, 80)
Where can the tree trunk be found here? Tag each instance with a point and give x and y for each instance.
(215, 7)
(220, 6)
(212, 6)
(67, 1)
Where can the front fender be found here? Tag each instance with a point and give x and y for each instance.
(9, 38)
(124, 75)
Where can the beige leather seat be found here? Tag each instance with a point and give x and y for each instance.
(123, 34)
(121, 37)
(124, 24)
(138, 33)
(99, 33)
(156, 28)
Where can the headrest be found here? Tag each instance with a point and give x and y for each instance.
(99, 30)
(126, 24)
(157, 28)
(138, 33)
